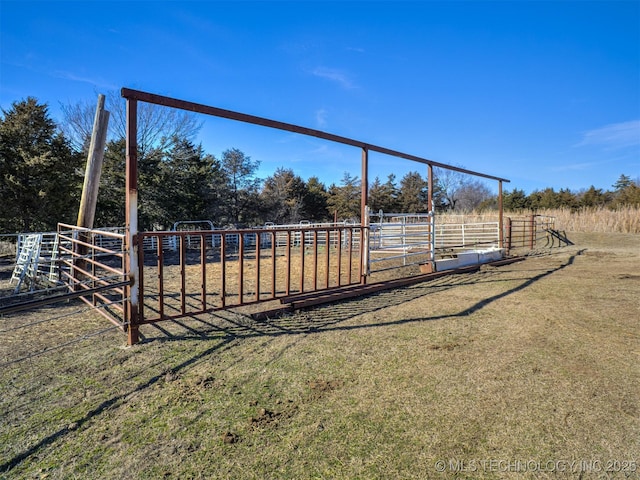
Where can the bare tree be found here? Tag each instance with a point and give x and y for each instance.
(158, 127)
(471, 195)
(449, 183)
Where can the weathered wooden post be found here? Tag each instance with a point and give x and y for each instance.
(87, 211)
(89, 198)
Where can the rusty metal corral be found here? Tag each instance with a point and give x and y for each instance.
(232, 268)
(530, 232)
(135, 263)
(93, 264)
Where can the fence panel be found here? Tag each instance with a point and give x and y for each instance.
(214, 269)
(92, 260)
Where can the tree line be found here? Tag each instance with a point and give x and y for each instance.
(42, 168)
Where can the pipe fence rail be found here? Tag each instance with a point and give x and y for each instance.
(266, 265)
(93, 263)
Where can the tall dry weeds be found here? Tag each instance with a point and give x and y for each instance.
(585, 220)
(598, 219)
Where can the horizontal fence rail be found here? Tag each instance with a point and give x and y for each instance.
(462, 236)
(399, 240)
(93, 261)
(212, 269)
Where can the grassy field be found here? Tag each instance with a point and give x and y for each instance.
(525, 371)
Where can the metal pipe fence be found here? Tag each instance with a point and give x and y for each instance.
(94, 261)
(528, 232)
(242, 267)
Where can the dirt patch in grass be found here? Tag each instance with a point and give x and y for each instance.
(503, 373)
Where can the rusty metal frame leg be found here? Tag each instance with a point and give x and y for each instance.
(131, 220)
(364, 216)
(223, 271)
(274, 264)
(203, 266)
(257, 267)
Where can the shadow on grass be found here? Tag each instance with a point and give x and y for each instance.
(319, 319)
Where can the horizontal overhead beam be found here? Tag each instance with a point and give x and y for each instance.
(265, 122)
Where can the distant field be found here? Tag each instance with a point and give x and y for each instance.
(597, 220)
(584, 220)
(516, 368)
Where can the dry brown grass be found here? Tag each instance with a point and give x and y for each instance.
(584, 220)
(597, 220)
(533, 362)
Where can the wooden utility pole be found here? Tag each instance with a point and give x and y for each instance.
(87, 211)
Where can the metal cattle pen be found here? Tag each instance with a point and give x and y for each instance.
(233, 268)
(92, 264)
(136, 305)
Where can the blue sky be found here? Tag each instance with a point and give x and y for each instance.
(544, 93)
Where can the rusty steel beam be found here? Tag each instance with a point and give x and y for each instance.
(132, 94)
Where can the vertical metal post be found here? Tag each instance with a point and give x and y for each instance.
(131, 219)
(327, 252)
(364, 217)
(430, 188)
(350, 266)
(241, 268)
(223, 271)
(160, 264)
(274, 264)
(288, 263)
(203, 266)
(532, 230)
(432, 216)
(257, 267)
(339, 251)
(182, 242)
(500, 217)
(140, 249)
(315, 258)
(303, 239)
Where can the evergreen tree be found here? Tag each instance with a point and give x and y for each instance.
(283, 197)
(40, 174)
(515, 201)
(315, 200)
(187, 178)
(345, 199)
(623, 182)
(241, 187)
(593, 197)
(110, 209)
(384, 196)
(413, 196)
(376, 196)
(627, 197)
